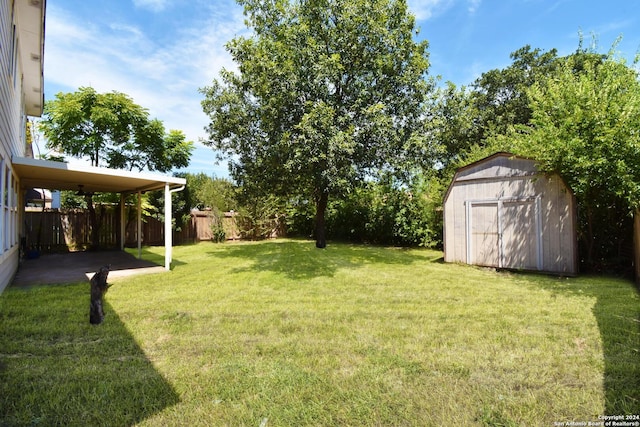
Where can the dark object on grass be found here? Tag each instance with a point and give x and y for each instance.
(98, 287)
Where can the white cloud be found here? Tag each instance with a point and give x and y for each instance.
(473, 5)
(426, 9)
(126, 31)
(152, 5)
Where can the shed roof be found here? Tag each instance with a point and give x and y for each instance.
(36, 173)
(468, 170)
(496, 166)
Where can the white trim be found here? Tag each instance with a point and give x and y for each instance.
(500, 239)
(11, 206)
(467, 205)
(538, 214)
(502, 199)
(168, 238)
(64, 176)
(168, 229)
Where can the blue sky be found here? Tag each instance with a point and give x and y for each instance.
(160, 52)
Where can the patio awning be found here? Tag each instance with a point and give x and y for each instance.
(36, 173)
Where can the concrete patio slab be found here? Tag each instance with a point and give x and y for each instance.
(80, 267)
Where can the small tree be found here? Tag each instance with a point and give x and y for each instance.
(208, 192)
(218, 235)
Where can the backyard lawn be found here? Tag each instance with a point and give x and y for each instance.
(279, 333)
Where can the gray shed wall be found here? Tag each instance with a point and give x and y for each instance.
(501, 212)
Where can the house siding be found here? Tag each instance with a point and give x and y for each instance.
(12, 135)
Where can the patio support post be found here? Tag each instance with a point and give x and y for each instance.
(122, 221)
(139, 233)
(168, 241)
(168, 236)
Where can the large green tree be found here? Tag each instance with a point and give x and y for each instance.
(109, 129)
(326, 92)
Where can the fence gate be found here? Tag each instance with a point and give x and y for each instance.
(504, 233)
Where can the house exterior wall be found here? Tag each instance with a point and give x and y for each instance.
(13, 117)
(502, 212)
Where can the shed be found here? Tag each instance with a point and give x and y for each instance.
(502, 212)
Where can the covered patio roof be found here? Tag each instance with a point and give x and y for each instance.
(36, 173)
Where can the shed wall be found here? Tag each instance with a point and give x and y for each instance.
(535, 210)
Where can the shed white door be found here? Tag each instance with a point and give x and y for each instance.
(504, 233)
(485, 240)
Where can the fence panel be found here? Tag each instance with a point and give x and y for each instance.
(65, 230)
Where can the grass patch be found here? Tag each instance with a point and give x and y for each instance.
(279, 333)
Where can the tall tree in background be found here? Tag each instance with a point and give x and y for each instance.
(500, 95)
(209, 192)
(327, 92)
(463, 119)
(111, 130)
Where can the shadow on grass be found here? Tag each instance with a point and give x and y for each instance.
(300, 259)
(147, 254)
(57, 369)
(617, 312)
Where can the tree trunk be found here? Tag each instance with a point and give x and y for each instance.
(93, 220)
(321, 207)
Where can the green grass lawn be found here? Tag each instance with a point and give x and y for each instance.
(279, 333)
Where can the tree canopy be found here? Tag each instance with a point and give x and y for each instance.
(464, 118)
(585, 125)
(326, 93)
(109, 129)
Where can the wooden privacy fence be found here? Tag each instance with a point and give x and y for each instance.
(53, 230)
(70, 230)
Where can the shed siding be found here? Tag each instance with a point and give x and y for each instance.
(536, 216)
(520, 224)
